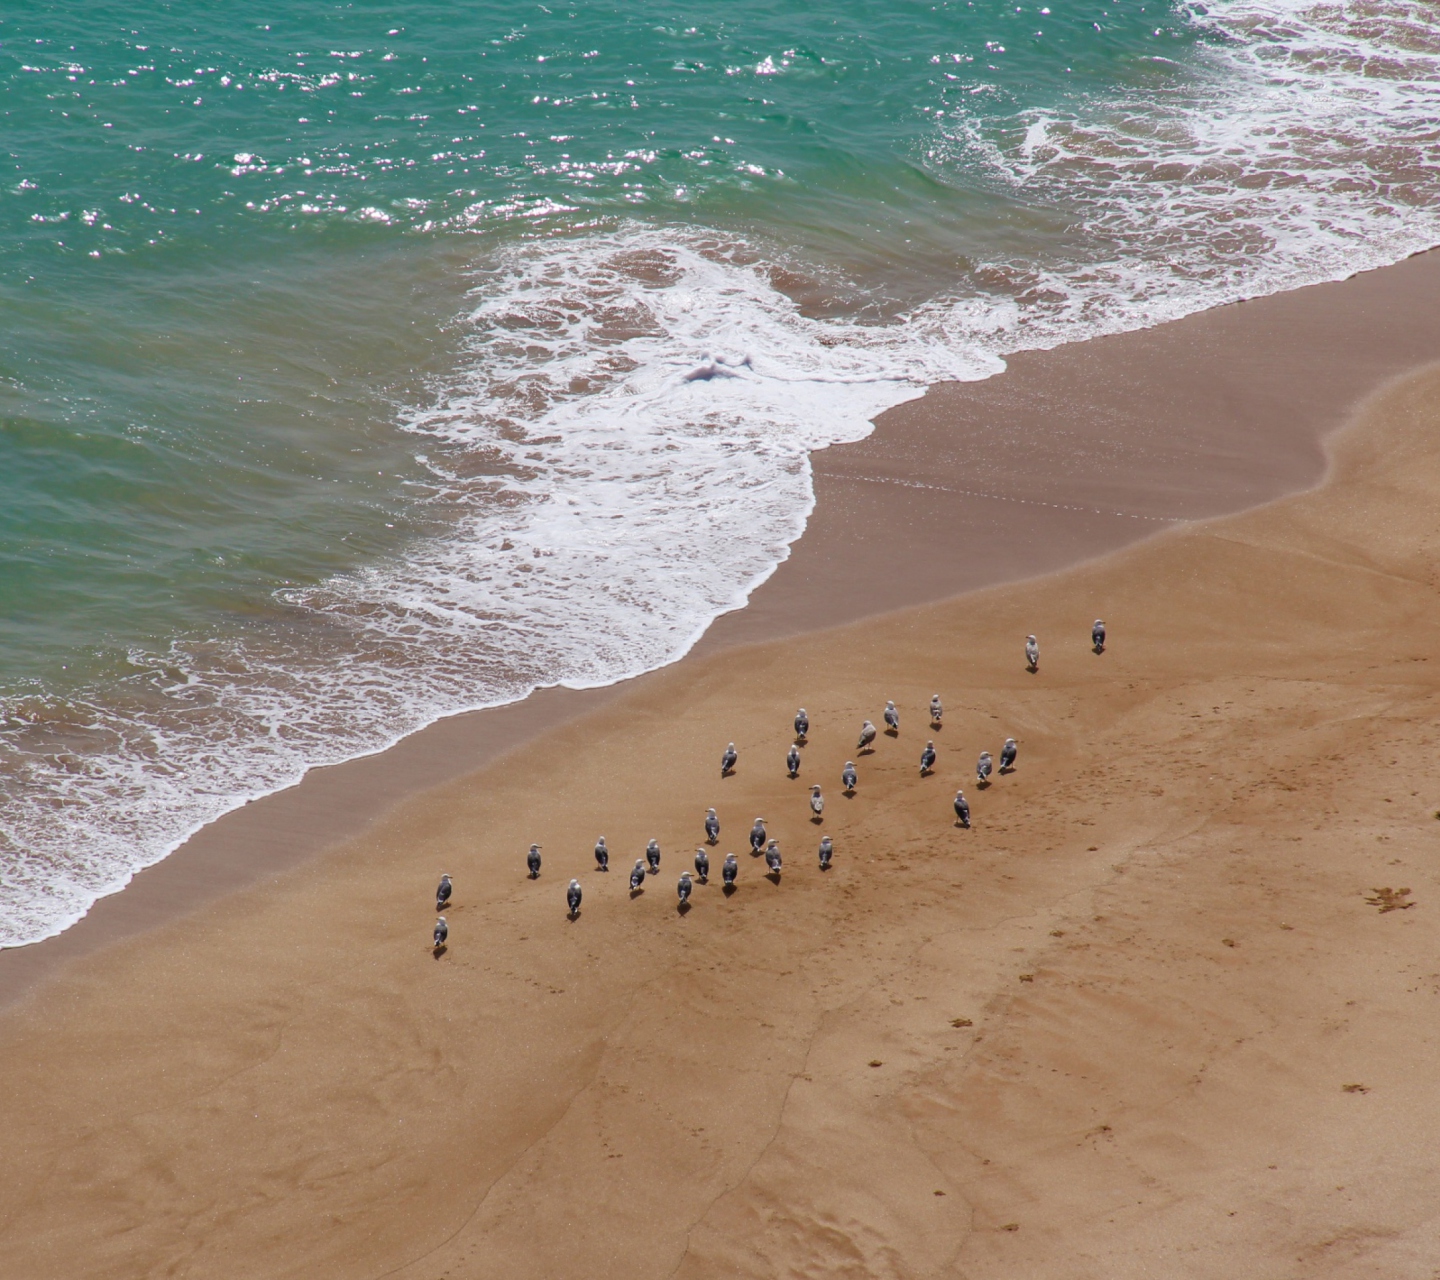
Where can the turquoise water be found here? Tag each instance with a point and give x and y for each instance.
(360, 363)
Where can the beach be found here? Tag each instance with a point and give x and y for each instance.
(1163, 1009)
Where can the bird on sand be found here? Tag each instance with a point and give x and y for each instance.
(637, 874)
(817, 801)
(1007, 755)
(532, 860)
(602, 855)
(827, 851)
(684, 887)
(729, 869)
(442, 931)
(849, 777)
(867, 736)
(702, 866)
(757, 835)
(772, 858)
(727, 761)
(792, 760)
(892, 718)
(652, 856)
(983, 767)
(802, 725)
(712, 826)
(442, 894)
(927, 758)
(1032, 653)
(936, 710)
(572, 898)
(1097, 636)
(962, 811)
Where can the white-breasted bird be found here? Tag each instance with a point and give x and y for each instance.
(652, 856)
(867, 736)
(532, 860)
(712, 826)
(792, 760)
(602, 854)
(757, 835)
(848, 776)
(442, 893)
(827, 851)
(802, 725)
(772, 858)
(684, 887)
(442, 931)
(927, 758)
(1032, 653)
(702, 865)
(892, 718)
(572, 898)
(962, 810)
(729, 869)
(1007, 755)
(817, 801)
(983, 767)
(727, 761)
(936, 710)
(637, 874)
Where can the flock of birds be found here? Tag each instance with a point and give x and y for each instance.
(760, 841)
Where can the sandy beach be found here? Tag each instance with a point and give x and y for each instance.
(1166, 1009)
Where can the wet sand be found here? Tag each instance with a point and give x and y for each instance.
(1149, 1016)
(1068, 455)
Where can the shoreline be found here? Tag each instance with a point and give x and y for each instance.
(973, 485)
(1166, 1004)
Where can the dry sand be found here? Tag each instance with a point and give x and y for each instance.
(1142, 1020)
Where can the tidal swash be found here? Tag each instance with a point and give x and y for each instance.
(363, 364)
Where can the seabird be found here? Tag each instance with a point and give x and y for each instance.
(727, 761)
(637, 874)
(936, 710)
(1097, 636)
(802, 724)
(702, 866)
(729, 869)
(652, 856)
(827, 851)
(927, 758)
(983, 767)
(1032, 653)
(867, 735)
(772, 858)
(602, 855)
(442, 894)
(532, 860)
(962, 810)
(442, 931)
(712, 826)
(572, 898)
(849, 777)
(817, 801)
(757, 835)
(892, 718)
(684, 887)
(1007, 755)
(792, 760)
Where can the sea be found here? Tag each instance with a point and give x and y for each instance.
(361, 364)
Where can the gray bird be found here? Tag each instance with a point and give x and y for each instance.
(802, 725)
(757, 835)
(1007, 755)
(652, 856)
(442, 894)
(867, 736)
(772, 858)
(442, 931)
(727, 761)
(849, 777)
(532, 860)
(827, 851)
(1097, 636)
(962, 810)
(637, 874)
(983, 767)
(602, 855)
(702, 866)
(572, 898)
(712, 826)
(936, 710)
(729, 869)
(892, 718)
(792, 760)
(927, 758)
(817, 801)
(1032, 653)
(684, 887)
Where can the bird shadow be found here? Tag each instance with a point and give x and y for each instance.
(572, 916)
(1034, 671)
(849, 795)
(729, 889)
(962, 826)
(1006, 770)
(773, 877)
(983, 785)
(802, 741)
(892, 733)
(636, 893)
(439, 951)
(936, 725)
(925, 773)
(817, 819)
(824, 866)
(865, 751)
(725, 773)
(682, 909)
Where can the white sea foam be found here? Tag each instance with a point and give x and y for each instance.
(628, 454)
